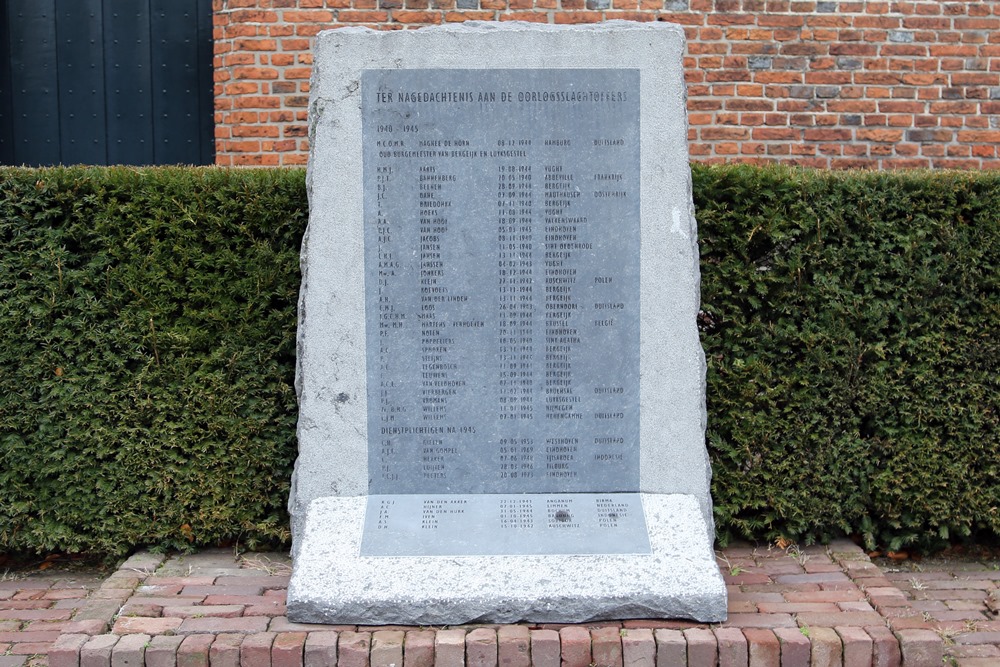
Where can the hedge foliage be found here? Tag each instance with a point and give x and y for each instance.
(852, 327)
(147, 325)
(147, 344)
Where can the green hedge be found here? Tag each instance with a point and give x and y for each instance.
(147, 326)
(852, 327)
(147, 344)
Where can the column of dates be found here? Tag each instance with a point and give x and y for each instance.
(515, 271)
(515, 275)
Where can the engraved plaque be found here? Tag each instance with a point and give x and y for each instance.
(501, 259)
(498, 525)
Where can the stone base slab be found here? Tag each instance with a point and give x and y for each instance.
(332, 583)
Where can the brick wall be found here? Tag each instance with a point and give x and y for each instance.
(827, 83)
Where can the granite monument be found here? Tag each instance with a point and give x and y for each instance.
(501, 386)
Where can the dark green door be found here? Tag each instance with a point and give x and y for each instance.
(106, 82)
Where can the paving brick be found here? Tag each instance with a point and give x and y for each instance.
(145, 590)
(119, 595)
(30, 648)
(23, 604)
(222, 590)
(157, 580)
(217, 625)
(638, 648)
(320, 649)
(819, 578)
(764, 649)
(255, 651)
(21, 636)
(797, 607)
(202, 611)
(266, 581)
(97, 610)
(732, 646)
(165, 600)
(975, 651)
(449, 648)
(843, 618)
(65, 652)
(26, 584)
(13, 660)
(654, 624)
(978, 638)
(824, 596)
(387, 648)
(545, 648)
(288, 649)
(827, 650)
(46, 626)
(65, 594)
(121, 581)
(194, 650)
(761, 621)
(97, 651)
(139, 608)
(282, 624)
(225, 650)
(796, 650)
(143, 562)
(606, 647)
(513, 646)
(671, 647)
(245, 600)
(885, 647)
(481, 648)
(911, 622)
(267, 610)
(162, 651)
(574, 643)
(37, 614)
(418, 648)
(921, 648)
(130, 651)
(126, 625)
(857, 647)
(353, 649)
(702, 649)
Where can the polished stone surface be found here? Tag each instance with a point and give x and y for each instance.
(502, 262)
(504, 524)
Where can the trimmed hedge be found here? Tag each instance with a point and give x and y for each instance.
(147, 345)
(147, 326)
(852, 328)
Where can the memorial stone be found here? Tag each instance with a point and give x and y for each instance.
(501, 387)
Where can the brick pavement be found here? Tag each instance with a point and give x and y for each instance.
(815, 606)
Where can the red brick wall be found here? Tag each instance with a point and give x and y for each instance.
(819, 83)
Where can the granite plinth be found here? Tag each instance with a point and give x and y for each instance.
(333, 584)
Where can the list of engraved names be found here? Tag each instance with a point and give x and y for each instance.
(502, 280)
